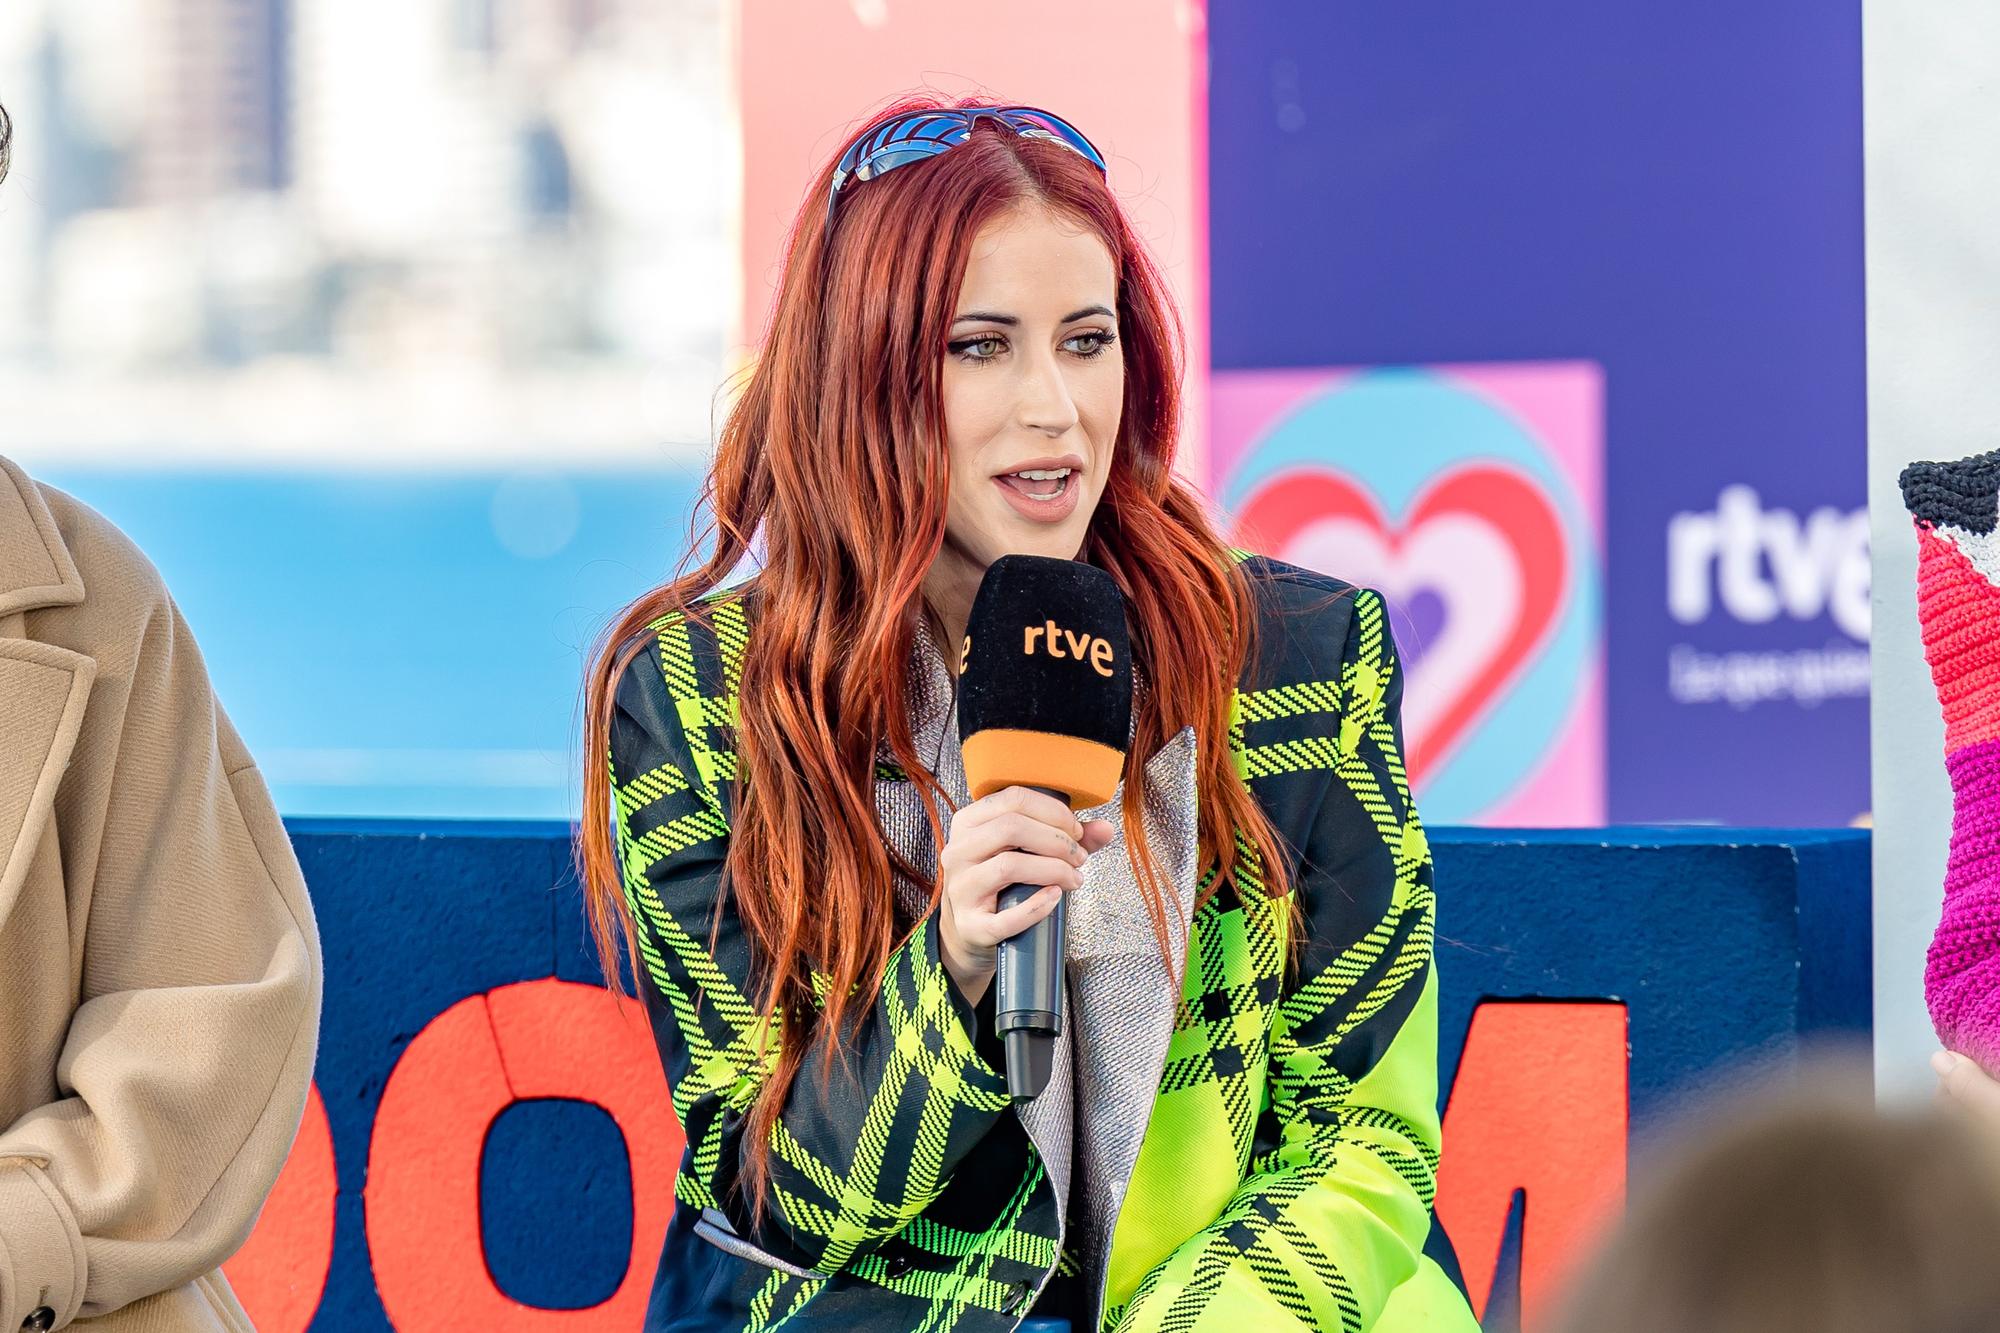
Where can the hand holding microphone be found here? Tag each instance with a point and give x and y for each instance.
(1044, 714)
(1015, 836)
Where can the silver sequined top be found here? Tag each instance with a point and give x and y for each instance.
(1089, 1123)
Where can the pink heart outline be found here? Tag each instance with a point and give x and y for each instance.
(1503, 499)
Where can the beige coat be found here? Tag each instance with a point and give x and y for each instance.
(159, 966)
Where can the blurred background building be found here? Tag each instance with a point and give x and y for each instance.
(391, 331)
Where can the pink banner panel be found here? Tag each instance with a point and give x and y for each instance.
(1131, 76)
(1472, 497)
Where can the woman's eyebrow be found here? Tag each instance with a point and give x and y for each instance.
(989, 317)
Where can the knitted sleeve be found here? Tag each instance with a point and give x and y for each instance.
(1958, 609)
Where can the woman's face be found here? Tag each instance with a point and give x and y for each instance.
(1034, 381)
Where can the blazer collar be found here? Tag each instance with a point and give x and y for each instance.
(35, 565)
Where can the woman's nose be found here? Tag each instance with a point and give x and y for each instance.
(1046, 403)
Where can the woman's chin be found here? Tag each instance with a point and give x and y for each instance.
(1008, 534)
(1015, 535)
(1059, 545)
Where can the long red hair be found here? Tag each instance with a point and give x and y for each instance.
(836, 451)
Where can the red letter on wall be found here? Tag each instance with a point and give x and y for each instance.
(1540, 1104)
(538, 1039)
(280, 1273)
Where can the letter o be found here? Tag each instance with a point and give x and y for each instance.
(280, 1273)
(534, 1040)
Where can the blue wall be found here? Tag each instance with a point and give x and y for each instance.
(1722, 944)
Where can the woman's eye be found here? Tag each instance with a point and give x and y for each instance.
(989, 348)
(979, 349)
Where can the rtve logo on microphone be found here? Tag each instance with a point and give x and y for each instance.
(1082, 647)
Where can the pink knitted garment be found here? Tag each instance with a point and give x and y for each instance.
(1958, 607)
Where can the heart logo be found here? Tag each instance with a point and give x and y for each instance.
(1477, 570)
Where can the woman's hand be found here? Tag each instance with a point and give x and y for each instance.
(1962, 1083)
(1015, 836)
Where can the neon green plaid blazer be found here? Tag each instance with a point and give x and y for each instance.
(1289, 1163)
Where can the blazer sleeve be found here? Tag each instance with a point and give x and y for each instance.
(1334, 1211)
(188, 1059)
(853, 1158)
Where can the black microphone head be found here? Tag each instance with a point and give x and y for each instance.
(1045, 680)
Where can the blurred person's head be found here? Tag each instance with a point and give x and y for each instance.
(942, 323)
(1809, 1212)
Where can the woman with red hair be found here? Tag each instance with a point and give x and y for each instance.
(971, 355)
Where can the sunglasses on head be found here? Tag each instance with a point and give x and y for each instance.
(924, 134)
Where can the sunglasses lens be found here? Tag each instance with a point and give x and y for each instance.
(888, 159)
(1035, 124)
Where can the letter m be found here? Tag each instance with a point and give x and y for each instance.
(1538, 1111)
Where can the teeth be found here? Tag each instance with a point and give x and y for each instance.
(1049, 474)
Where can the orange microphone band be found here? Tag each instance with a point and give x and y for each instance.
(1086, 771)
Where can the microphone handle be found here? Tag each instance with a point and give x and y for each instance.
(1028, 999)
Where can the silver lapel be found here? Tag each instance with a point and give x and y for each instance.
(1122, 993)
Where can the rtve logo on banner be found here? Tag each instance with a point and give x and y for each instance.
(1758, 565)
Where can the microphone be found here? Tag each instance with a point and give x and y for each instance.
(1044, 701)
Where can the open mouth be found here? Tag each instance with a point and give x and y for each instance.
(1039, 483)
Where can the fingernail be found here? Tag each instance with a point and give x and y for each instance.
(1944, 1062)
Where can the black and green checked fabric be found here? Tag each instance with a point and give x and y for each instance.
(845, 1176)
(1319, 1089)
(1289, 1163)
